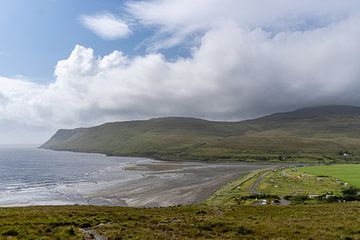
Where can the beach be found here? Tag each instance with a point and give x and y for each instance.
(31, 176)
(172, 183)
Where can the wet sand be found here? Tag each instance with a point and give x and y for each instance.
(171, 183)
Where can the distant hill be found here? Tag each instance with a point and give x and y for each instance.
(328, 133)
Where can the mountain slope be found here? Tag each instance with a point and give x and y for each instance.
(318, 133)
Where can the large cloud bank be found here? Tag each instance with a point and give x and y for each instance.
(237, 69)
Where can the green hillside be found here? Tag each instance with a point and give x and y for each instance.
(308, 134)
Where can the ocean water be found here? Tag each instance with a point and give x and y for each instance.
(32, 176)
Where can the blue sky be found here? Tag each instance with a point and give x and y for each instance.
(76, 63)
(36, 34)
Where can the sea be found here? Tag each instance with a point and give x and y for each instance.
(33, 176)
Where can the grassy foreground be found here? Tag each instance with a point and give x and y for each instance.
(325, 221)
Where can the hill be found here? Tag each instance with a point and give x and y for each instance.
(328, 133)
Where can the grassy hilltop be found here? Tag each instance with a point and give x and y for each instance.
(318, 133)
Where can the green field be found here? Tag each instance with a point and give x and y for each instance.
(281, 182)
(325, 221)
(291, 181)
(349, 173)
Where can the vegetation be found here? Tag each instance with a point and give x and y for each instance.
(293, 181)
(349, 173)
(231, 193)
(325, 221)
(320, 134)
(294, 184)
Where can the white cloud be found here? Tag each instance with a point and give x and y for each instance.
(106, 26)
(179, 20)
(235, 72)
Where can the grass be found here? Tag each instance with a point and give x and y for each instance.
(325, 221)
(294, 181)
(278, 182)
(349, 173)
(228, 194)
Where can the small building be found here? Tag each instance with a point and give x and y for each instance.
(313, 196)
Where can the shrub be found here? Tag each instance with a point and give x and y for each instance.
(299, 198)
(71, 232)
(11, 233)
(244, 231)
(351, 194)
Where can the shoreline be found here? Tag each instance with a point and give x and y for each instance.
(120, 181)
(158, 184)
(172, 183)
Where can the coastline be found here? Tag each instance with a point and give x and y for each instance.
(133, 182)
(162, 184)
(174, 183)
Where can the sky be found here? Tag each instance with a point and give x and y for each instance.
(66, 63)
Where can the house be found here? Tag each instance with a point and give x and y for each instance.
(313, 196)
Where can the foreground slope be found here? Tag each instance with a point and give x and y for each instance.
(329, 133)
(324, 221)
